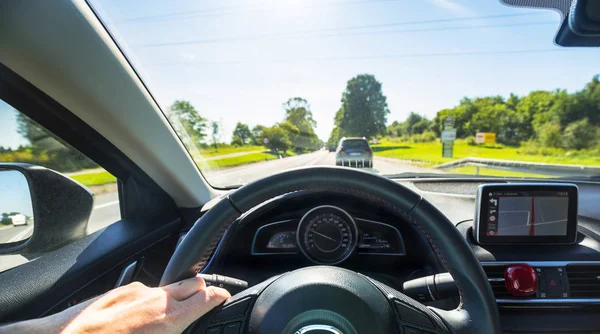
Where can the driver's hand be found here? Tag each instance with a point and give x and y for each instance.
(134, 308)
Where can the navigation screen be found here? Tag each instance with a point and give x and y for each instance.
(527, 213)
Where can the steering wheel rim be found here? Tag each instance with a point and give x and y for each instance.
(477, 310)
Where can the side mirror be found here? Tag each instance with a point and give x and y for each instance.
(584, 18)
(40, 209)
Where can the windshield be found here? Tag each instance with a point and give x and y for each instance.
(254, 87)
(355, 144)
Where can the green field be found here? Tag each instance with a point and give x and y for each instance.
(245, 159)
(211, 152)
(432, 153)
(94, 179)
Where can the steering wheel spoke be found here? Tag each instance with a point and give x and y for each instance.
(412, 316)
(231, 315)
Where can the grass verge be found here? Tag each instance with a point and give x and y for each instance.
(432, 153)
(472, 170)
(246, 159)
(94, 179)
(211, 152)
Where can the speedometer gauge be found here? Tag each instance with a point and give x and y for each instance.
(327, 234)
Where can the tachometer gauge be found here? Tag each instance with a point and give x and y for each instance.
(327, 234)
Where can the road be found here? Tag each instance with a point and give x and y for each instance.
(244, 174)
(106, 206)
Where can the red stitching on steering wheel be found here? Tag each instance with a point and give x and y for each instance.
(350, 191)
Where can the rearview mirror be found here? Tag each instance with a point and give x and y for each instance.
(40, 209)
(584, 18)
(580, 20)
(16, 210)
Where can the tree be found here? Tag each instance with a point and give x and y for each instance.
(421, 126)
(183, 112)
(299, 115)
(5, 219)
(215, 133)
(292, 133)
(364, 108)
(334, 137)
(277, 139)
(579, 134)
(241, 134)
(257, 134)
(48, 149)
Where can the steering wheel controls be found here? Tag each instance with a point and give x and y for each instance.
(230, 284)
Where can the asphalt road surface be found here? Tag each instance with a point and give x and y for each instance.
(106, 206)
(244, 174)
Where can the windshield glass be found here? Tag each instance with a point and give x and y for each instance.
(355, 144)
(254, 87)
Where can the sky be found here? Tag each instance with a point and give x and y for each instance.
(15, 196)
(240, 60)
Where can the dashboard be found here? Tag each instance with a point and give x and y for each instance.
(328, 234)
(311, 228)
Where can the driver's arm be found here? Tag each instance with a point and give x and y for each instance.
(134, 308)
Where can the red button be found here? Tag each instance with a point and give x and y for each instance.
(521, 280)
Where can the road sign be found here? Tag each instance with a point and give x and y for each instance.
(448, 135)
(448, 123)
(485, 138)
(265, 141)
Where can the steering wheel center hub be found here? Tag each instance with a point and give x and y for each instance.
(322, 299)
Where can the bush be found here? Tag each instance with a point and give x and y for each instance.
(425, 137)
(549, 135)
(579, 134)
(470, 140)
(237, 141)
(534, 148)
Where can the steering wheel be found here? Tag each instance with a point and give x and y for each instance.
(327, 299)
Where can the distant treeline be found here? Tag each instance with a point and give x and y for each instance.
(556, 119)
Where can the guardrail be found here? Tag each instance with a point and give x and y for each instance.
(525, 167)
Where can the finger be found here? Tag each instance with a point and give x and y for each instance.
(183, 290)
(203, 301)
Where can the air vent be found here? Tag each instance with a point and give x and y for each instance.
(495, 274)
(584, 280)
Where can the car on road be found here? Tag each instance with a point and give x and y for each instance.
(354, 152)
(18, 219)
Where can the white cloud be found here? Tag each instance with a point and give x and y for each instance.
(188, 56)
(453, 7)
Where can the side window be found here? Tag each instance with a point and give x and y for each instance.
(25, 141)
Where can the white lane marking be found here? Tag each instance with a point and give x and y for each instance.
(105, 205)
(21, 235)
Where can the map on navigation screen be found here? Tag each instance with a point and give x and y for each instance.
(528, 215)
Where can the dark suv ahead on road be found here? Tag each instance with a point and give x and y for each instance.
(354, 152)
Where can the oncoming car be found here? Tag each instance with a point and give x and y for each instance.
(354, 152)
